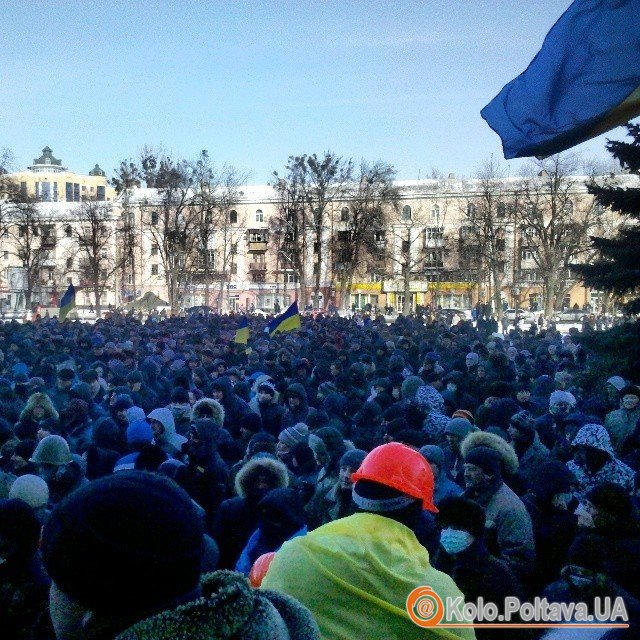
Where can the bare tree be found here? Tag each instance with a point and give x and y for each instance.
(321, 182)
(486, 225)
(288, 229)
(405, 227)
(371, 193)
(126, 180)
(96, 234)
(32, 239)
(171, 221)
(555, 224)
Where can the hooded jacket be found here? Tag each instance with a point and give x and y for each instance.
(169, 441)
(237, 518)
(614, 470)
(234, 406)
(429, 399)
(280, 518)
(210, 409)
(227, 609)
(291, 417)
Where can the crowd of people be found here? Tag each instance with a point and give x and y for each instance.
(147, 468)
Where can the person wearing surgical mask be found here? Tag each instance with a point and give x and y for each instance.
(463, 555)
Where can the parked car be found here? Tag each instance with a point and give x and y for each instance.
(511, 314)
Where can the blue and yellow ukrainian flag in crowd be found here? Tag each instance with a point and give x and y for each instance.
(67, 302)
(287, 321)
(242, 332)
(584, 81)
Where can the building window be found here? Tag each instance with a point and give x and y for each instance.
(344, 214)
(471, 209)
(258, 276)
(568, 207)
(55, 192)
(76, 192)
(69, 263)
(100, 193)
(259, 216)
(68, 191)
(22, 230)
(258, 236)
(46, 192)
(291, 278)
(154, 269)
(103, 274)
(233, 217)
(6, 255)
(154, 250)
(154, 218)
(406, 212)
(23, 188)
(234, 269)
(435, 212)
(501, 211)
(68, 231)
(234, 248)
(379, 236)
(406, 246)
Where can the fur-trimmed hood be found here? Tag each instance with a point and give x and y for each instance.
(208, 408)
(495, 442)
(39, 400)
(249, 472)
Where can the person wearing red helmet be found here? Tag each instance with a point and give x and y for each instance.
(356, 573)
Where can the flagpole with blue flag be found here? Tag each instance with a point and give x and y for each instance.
(585, 80)
(242, 331)
(67, 302)
(287, 321)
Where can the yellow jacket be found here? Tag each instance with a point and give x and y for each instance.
(354, 575)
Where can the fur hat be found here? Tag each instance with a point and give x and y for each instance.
(505, 451)
(486, 459)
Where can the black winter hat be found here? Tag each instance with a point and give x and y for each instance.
(485, 458)
(462, 513)
(124, 544)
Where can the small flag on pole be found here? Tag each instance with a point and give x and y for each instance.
(67, 302)
(287, 321)
(242, 332)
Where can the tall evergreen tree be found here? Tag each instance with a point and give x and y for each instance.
(617, 267)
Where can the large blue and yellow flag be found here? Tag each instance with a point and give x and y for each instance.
(67, 302)
(287, 321)
(584, 81)
(242, 331)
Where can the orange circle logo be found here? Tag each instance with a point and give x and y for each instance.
(425, 607)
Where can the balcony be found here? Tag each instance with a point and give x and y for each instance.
(257, 266)
(257, 246)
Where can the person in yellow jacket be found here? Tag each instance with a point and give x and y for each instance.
(356, 574)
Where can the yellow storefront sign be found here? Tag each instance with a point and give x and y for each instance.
(366, 287)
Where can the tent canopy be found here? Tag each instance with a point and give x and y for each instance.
(148, 302)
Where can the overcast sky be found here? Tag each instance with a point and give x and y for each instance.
(255, 82)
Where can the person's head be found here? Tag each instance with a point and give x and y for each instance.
(50, 455)
(610, 506)
(65, 378)
(456, 431)
(630, 396)
(434, 455)
(19, 533)
(394, 481)
(349, 464)
(461, 521)
(522, 427)
(561, 403)
(266, 393)
(133, 524)
(288, 439)
(482, 467)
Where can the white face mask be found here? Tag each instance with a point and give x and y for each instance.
(562, 500)
(629, 402)
(451, 387)
(455, 540)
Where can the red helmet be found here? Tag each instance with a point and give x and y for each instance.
(260, 568)
(402, 468)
